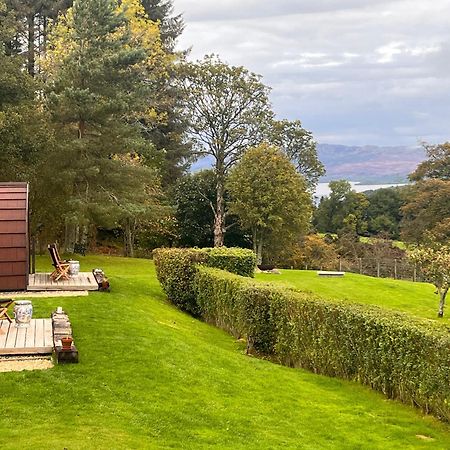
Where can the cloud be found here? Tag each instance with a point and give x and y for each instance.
(355, 71)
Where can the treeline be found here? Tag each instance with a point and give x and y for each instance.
(103, 117)
(411, 213)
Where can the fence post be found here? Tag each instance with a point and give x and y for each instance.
(395, 269)
(360, 266)
(378, 269)
(340, 265)
(415, 273)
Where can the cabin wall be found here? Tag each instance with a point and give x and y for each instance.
(14, 251)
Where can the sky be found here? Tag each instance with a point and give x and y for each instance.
(355, 72)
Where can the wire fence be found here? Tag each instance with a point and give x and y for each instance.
(398, 269)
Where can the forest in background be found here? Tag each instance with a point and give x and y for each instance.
(103, 117)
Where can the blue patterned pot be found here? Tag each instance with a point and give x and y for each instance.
(23, 312)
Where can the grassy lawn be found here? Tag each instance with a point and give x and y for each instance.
(152, 377)
(415, 298)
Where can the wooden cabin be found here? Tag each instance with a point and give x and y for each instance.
(14, 247)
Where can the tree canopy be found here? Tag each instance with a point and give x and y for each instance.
(437, 164)
(268, 196)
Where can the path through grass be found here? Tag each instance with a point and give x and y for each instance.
(151, 377)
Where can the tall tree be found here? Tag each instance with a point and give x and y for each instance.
(194, 200)
(167, 133)
(171, 25)
(269, 196)
(23, 129)
(344, 209)
(227, 107)
(437, 164)
(299, 146)
(427, 208)
(31, 38)
(194, 197)
(434, 261)
(383, 213)
(98, 67)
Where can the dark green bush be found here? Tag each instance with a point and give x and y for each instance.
(175, 269)
(405, 358)
(240, 261)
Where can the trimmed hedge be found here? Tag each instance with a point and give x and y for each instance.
(403, 357)
(240, 261)
(175, 269)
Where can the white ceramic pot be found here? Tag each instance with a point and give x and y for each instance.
(23, 312)
(74, 268)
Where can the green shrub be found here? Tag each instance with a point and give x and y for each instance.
(175, 269)
(403, 357)
(240, 261)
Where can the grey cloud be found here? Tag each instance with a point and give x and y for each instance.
(195, 10)
(357, 72)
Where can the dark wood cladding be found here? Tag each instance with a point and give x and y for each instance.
(14, 252)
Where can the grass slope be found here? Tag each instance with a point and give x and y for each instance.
(151, 376)
(414, 298)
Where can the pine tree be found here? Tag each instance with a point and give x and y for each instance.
(171, 25)
(23, 131)
(168, 135)
(97, 68)
(31, 37)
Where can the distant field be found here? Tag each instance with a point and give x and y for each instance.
(415, 298)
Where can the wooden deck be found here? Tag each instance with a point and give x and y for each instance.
(84, 281)
(36, 339)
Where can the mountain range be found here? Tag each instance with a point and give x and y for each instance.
(368, 164)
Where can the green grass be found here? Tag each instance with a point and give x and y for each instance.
(151, 376)
(417, 299)
(370, 240)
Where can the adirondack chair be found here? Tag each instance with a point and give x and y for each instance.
(61, 268)
(4, 305)
(62, 261)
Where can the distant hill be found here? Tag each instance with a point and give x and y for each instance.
(366, 164)
(369, 164)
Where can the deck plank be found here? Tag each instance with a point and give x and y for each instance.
(36, 339)
(42, 282)
(31, 334)
(39, 332)
(11, 338)
(20, 337)
(48, 333)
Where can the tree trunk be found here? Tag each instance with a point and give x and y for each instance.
(259, 251)
(81, 128)
(219, 216)
(70, 237)
(128, 237)
(442, 295)
(31, 38)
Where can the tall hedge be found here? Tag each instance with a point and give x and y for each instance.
(240, 261)
(403, 357)
(176, 268)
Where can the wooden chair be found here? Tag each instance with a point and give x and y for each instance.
(61, 268)
(4, 305)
